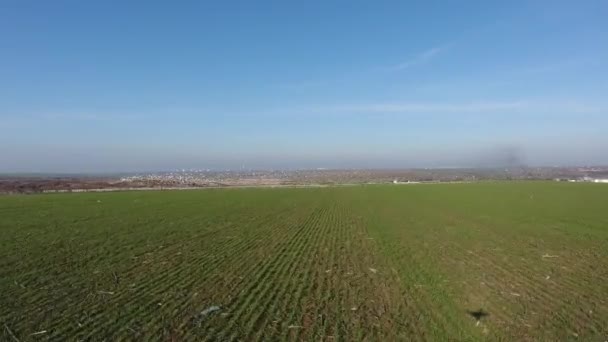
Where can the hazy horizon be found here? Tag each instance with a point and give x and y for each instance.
(117, 87)
(498, 157)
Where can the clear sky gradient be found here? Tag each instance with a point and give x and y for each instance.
(148, 85)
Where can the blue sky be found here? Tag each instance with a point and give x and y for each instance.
(115, 86)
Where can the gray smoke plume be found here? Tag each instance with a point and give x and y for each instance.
(509, 156)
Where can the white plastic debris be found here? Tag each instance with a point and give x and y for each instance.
(209, 310)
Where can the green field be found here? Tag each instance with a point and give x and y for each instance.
(393, 262)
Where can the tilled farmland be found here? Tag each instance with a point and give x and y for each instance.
(420, 262)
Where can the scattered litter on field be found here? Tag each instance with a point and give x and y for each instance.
(39, 333)
(373, 270)
(550, 256)
(515, 294)
(294, 327)
(354, 308)
(547, 277)
(105, 292)
(327, 271)
(209, 310)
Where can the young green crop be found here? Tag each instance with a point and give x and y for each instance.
(504, 260)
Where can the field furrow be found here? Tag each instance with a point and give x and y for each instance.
(461, 262)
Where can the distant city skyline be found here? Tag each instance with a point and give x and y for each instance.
(113, 86)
